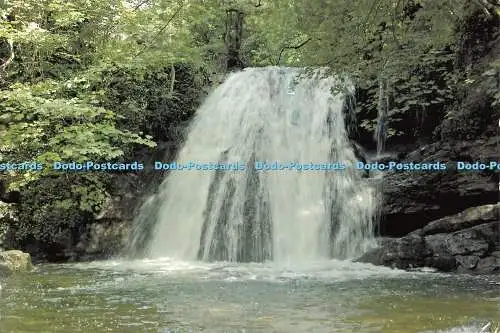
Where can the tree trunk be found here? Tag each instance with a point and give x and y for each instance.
(234, 33)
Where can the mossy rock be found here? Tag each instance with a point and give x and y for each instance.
(14, 261)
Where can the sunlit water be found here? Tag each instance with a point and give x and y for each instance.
(169, 296)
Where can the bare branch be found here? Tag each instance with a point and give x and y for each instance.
(139, 5)
(162, 29)
(292, 47)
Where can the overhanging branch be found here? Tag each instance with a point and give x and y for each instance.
(296, 47)
(162, 28)
(140, 4)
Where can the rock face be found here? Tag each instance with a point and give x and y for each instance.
(466, 130)
(14, 261)
(432, 211)
(465, 242)
(413, 199)
(102, 240)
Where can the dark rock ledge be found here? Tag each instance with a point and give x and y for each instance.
(467, 242)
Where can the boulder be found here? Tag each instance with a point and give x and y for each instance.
(14, 261)
(465, 219)
(466, 242)
(406, 252)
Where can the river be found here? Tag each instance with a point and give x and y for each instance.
(172, 296)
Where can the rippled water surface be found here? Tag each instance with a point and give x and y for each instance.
(171, 296)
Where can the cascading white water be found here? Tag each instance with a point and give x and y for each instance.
(264, 114)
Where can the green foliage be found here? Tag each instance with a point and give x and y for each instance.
(425, 89)
(54, 206)
(65, 70)
(41, 126)
(409, 44)
(156, 102)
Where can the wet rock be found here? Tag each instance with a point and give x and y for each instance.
(468, 218)
(413, 199)
(444, 263)
(102, 240)
(466, 242)
(406, 252)
(436, 244)
(14, 261)
(489, 265)
(467, 262)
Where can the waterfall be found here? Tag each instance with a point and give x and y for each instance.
(263, 114)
